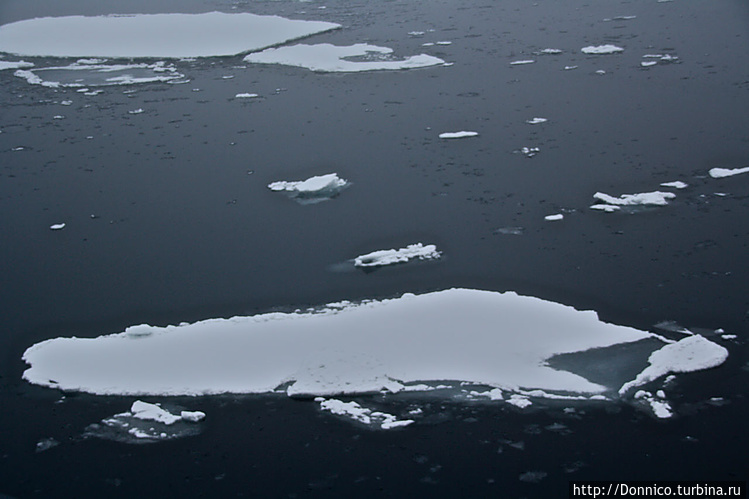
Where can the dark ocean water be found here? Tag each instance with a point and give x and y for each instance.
(185, 229)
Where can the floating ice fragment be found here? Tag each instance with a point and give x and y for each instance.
(136, 111)
(402, 255)
(192, 416)
(84, 75)
(726, 172)
(657, 198)
(444, 43)
(15, 65)
(601, 49)
(522, 62)
(331, 58)
(552, 218)
(693, 353)
(416, 33)
(646, 64)
(363, 415)
(519, 401)
(568, 68)
(600, 72)
(46, 444)
(548, 52)
(457, 135)
(313, 189)
(59, 226)
(677, 184)
(536, 121)
(530, 151)
(245, 96)
(153, 35)
(146, 411)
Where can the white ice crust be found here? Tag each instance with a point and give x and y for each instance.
(329, 58)
(727, 172)
(495, 339)
(693, 353)
(458, 135)
(153, 35)
(390, 256)
(601, 49)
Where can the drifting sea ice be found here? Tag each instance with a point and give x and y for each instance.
(536, 121)
(601, 49)
(522, 62)
(726, 172)
(335, 59)
(354, 411)
(313, 190)
(457, 135)
(84, 75)
(612, 203)
(391, 256)
(677, 184)
(153, 35)
(15, 65)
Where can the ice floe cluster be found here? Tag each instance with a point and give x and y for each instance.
(368, 417)
(331, 58)
(84, 74)
(381, 258)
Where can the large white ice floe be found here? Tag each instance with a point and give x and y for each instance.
(727, 172)
(313, 190)
(82, 75)
(693, 353)
(391, 256)
(601, 49)
(153, 35)
(483, 337)
(338, 59)
(611, 203)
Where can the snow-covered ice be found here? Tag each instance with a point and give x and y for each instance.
(522, 62)
(363, 415)
(59, 226)
(548, 51)
(553, 218)
(15, 65)
(153, 35)
(611, 203)
(601, 49)
(693, 353)
(458, 135)
(536, 121)
(677, 184)
(329, 58)
(84, 75)
(495, 339)
(390, 256)
(312, 190)
(245, 96)
(727, 172)
(530, 151)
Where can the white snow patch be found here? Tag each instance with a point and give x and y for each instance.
(390, 256)
(601, 49)
(153, 35)
(483, 337)
(693, 353)
(329, 58)
(457, 135)
(726, 172)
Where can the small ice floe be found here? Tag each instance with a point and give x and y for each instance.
(693, 353)
(520, 401)
(59, 226)
(522, 62)
(341, 59)
(677, 184)
(444, 42)
(553, 218)
(246, 96)
(512, 231)
(612, 203)
(656, 403)
(569, 68)
(78, 75)
(601, 49)
(368, 417)
(153, 35)
(312, 190)
(392, 256)
(58, 117)
(548, 52)
(416, 33)
(530, 151)
(136, 111)
(18, 148)
(600, 72)
(15, 65)
(619, 18)
(728, 336)
(457, 135)
(46, 444)
(66, 103)
(661, 57)
(536, 121)
(726, 172)
(647, 64)
(146, 423)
